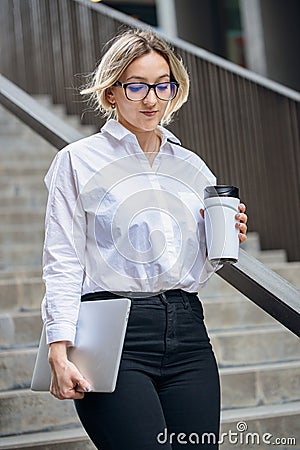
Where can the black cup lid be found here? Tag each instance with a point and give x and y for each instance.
(221, 191)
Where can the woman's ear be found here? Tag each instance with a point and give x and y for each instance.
(110, 96)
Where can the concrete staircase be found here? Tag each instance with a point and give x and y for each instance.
(259, 359)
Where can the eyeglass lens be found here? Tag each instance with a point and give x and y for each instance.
(138, 91)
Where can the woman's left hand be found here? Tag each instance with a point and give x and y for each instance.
(241, 224)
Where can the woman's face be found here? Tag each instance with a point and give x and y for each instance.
(143, 115)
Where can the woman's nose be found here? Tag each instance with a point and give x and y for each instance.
(151, 97)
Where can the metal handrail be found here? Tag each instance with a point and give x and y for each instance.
(265, 288)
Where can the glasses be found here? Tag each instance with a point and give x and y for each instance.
(139, 91)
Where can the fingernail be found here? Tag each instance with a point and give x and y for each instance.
(89, 388)
(238, 216)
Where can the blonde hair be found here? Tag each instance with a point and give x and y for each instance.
(123, 49)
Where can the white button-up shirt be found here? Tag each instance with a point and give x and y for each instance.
(115, 223)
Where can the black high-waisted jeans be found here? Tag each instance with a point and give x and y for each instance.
(167, 394)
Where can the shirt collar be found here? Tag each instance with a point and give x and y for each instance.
(119, 132)
(168, 136)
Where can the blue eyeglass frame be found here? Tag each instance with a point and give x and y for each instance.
(149, 86)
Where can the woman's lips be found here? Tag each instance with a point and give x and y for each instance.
(149, 113)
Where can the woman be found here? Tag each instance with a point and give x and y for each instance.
(123, 219)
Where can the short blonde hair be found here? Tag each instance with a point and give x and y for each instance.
(123, 49)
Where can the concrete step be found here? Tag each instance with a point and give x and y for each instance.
(215, 285)
(11, 125)
(19, 235)
(270, 256)
(67, 439)
(26, 253)
(26, 168)
(233, 346)
(16, 368)
(255, 345)
(21, 216)
(252, 244)
(233, 311)
(241, 385)
(18, 274)
(7, 119)
(21, 185)
(33, 162)
(4, 266)
(13, 212)
(20, 329)
(289, 271)
(26, 411)
(251, 428)
(261, 427)
(260, 384)
(34, 200)
(21, 292)
(19, 148)
(222, 312)
(33, 234)
(60, 111)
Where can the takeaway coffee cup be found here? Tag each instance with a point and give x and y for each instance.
(220, 207)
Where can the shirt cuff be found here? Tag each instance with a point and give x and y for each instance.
(60, 332)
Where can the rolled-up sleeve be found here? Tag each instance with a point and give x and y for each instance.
(64, 250)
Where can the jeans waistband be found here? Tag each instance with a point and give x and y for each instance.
(106, 295)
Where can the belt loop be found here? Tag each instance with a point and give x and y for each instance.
(163, 298)
(185, 300)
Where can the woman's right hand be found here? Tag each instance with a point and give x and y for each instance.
(66, 381)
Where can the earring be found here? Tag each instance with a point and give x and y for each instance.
(113, 105)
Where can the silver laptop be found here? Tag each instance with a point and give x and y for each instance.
(97, 351)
